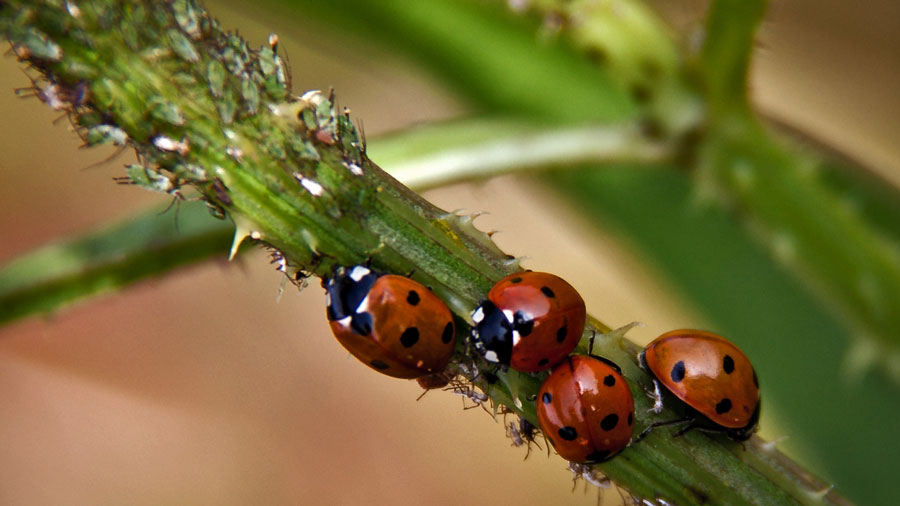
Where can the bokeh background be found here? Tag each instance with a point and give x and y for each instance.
(204, 388)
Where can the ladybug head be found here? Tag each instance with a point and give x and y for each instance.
(492, 333)
(346, 289)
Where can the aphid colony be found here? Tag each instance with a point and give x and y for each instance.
(532, 322)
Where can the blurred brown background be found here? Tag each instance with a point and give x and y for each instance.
(200, 388)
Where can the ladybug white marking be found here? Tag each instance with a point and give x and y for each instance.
(358, 273)
(363, 306)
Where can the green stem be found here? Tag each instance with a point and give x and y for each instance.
(204, 110)
(58, 275)
(440, 154)
(785, 197)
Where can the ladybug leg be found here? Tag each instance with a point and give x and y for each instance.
(688, 419)
(686, 428)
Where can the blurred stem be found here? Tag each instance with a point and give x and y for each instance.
(725, 57)
(204, 110)
(446, 153)
(782, 193)
(109, 260)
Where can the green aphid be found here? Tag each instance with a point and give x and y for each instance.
(190, 172)
(181, 45)
(150, 179)
(250, 94)
(215, 78)
(166, 111)
(227, 109)
(302, 148)
(187, 15)
(40, 46)
(102, 134)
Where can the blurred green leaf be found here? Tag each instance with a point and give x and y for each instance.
(483, 52)
(149, 245)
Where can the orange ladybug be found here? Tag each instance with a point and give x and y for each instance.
(585, 409)
(530, 321)
(389, 322)
(713, 378)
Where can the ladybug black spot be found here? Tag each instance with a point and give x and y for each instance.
(547, 398)
(609, 380)
(409, 337)
(413, 298)
(678, 372)
(522, 324)
(447, 335)
(598, 456)
(561, 334)
(630, 419)
(543, 362)
(378, 364)
(728, 364)
(724, 406)
(361, 323)
(515, 280)
(548, 292)
(568, 433)
(609, 422)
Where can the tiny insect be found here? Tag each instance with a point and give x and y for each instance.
(523, 433)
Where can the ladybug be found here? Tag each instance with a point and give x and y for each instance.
(585, 409)
(389, 322)
(713, 378)
(530, 321)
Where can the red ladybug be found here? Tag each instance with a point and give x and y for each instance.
(585, 409)
(711, 376)
(530, 321)
(390, 323)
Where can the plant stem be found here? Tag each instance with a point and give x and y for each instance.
(784, 196)
(448, 153)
